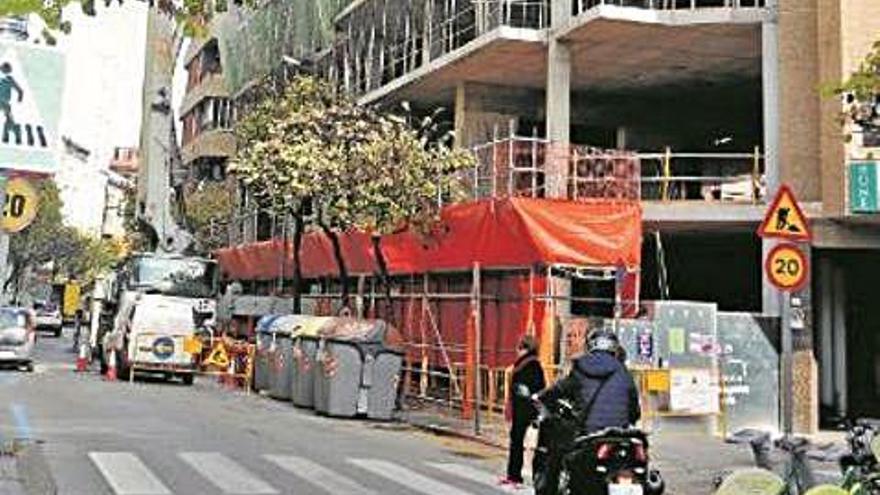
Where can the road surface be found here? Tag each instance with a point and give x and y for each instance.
(161, 438)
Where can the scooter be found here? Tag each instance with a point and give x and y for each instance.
(613, 461)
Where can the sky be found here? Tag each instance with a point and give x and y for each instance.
(102, 102)
(105, 68)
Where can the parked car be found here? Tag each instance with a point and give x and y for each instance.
(18, 338)
(48, 317)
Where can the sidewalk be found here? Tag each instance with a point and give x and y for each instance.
(689, 462)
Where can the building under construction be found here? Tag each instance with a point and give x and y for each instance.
(696, 109)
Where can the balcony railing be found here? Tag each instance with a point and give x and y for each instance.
(378, 42)
(518, 166)
(582, 6)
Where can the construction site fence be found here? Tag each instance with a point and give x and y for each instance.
(582, 6)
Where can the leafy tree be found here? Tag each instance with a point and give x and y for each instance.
(311, 149)
(91, 257)
(192, 16)
(861, 91)
(47, 239)
(44, 240)
(208, 207)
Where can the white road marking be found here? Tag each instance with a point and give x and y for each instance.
(414, 481)
(320, 476)
(469, 473)
(225, 474)
(127, 475)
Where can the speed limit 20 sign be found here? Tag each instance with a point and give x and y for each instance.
(22, 202)
(787, 267)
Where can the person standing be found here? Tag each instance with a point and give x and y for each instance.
(528, 379)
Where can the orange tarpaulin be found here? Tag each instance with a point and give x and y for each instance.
(499, 233)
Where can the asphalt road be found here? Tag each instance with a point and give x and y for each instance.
(162, 438)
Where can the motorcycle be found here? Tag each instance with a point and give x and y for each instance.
(613, 461)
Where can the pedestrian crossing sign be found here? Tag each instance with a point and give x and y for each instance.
(785, 219)
(31, 90)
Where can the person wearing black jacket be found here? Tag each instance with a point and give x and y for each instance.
(603, 390)
(528, 379)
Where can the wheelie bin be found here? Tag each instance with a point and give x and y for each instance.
(358, 368)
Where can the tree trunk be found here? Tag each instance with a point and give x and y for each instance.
(382, 264)
(299, 227)
(340, 261)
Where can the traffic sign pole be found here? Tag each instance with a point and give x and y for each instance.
(787, 364)
(4, 237)
(787, 268)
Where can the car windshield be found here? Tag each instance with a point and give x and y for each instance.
(174, 276)
(11, 319)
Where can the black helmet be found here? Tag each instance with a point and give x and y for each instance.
(603, 339)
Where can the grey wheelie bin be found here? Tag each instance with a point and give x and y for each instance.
(280, 355)
(261, 355)
(305, 348)
(358, 366)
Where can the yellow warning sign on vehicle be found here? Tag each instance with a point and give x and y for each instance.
(218, 357)
(787, 267)
(192, 345)
(22, 203)
(785, 219)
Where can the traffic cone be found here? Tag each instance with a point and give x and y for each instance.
(82, 361)
(111, 366)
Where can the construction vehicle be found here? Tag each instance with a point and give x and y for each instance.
(153, 313)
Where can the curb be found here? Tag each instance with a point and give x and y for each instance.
(445, 431)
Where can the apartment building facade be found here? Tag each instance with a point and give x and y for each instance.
(719, 100)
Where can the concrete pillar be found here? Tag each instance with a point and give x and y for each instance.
(826, 331)
(620, 138)
(558, 103)
(770, 92)
(840, 374)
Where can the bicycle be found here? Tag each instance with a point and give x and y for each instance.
(796, 477)
(861, 465)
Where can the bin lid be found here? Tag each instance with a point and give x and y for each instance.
(361, 331)
(264, 324)
(281, 324)
(312, 326)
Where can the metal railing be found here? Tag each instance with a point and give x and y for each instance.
(373, 50)
(518, 166)
(582, 6)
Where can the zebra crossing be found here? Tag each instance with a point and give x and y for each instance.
(125, 473)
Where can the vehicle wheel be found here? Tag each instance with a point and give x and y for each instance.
(58, 332)
(188, 378)
(29, 367)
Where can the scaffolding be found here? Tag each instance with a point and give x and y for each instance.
(460, 328)
(518, 166)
